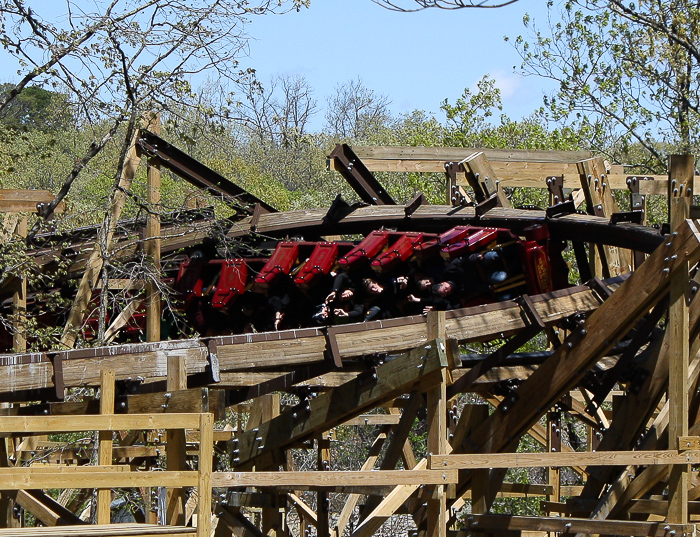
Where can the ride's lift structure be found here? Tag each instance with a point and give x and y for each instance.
(247, 433)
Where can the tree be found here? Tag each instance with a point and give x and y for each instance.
(120, 59)
(355, 112)
(281, 111)
(35, 108)
(628, 71)
(418, 5)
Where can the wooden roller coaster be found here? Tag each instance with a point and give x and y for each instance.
(247, 428)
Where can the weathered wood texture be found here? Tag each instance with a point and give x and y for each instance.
(332, 407)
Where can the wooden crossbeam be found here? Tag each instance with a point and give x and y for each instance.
(583, 526)
(101, 530)
(569, 362)
(332, 407)
(29, 478)
(332, 479)
(108, 422)
(26, 201)
(45, 508)
(530, 460)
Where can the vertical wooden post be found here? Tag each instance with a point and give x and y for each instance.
(271, 516)
(437, 433)
(473, 416)
(153, 309)
(7, 504)
(104, 454)
(681, 172)
(554, 445)
(323, 460)
(176, 447)
(19, 300)
(205, 465)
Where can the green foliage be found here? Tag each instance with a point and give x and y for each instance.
(627, 73)
(35, 108)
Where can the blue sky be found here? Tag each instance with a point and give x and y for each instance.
(415, 59)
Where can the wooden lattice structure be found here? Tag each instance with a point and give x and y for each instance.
(621, 361)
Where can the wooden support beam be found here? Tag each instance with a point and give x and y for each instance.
(45, 509)
(102, 530)
(554, 459)
(94, 264)
(323, 456)
(236, 522)
(389, 505)
(26, 201)
(482, 178)
(272, 523)
(681, 169)
(176, 444)
(330, 479)
(153, 241)
(351, 502)
(499, 523)
(19, 300)
(205, 457)
(334, 406)
(58, 478)
(554, 444)
(105, 443)
(114, 422)
(601, 202)
(437, 431)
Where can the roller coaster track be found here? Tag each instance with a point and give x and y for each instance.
(342, 372)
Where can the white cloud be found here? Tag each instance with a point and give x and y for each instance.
(508, 83)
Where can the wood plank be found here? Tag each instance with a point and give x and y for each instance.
(45, 508)
(554, 459)
(93, 267)
(152, 246)
(204, 474)
(100, 530)
(25, 479)
(274, 349)
(388, 506)
(352, 500)
(436, 399)
(601, 201)
(456, 154)
(321, 479)
(482, 177)
(334, 406)
(148, 361)
(26, 201)
(105, 443)
(499, 523)
(681, 168)
(114, 422)
(374, 420)
(19, 300)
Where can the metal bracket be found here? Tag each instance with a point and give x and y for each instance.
(412, 206)
(485, 206)
(556, 188)
(634, 217)
(565, 207)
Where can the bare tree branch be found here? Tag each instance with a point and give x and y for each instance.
(418, 5)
